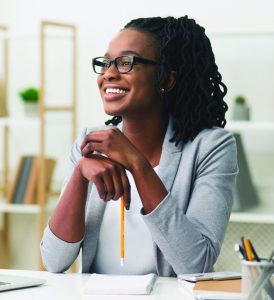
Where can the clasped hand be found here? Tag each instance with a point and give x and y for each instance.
(106, 156)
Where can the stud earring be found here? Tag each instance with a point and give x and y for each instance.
(162, 90)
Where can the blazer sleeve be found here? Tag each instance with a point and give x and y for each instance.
(190, 236)
(58, 255)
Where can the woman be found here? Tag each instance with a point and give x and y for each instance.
(169, 157)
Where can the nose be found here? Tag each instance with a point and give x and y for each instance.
(111, 73)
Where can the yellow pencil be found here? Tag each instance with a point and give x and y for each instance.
(248, 250)
(122, 231)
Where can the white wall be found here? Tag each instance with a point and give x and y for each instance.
(97, 22)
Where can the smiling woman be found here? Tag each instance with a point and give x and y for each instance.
(132, 70)
(165, 152)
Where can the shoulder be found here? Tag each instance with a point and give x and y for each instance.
(212, 141)
(213, 136)
(213, 151)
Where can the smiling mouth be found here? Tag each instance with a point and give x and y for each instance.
(115, 91)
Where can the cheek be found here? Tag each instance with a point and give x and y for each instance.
(99, 81)
(147, 85)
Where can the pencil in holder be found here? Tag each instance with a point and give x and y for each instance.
(257, 280)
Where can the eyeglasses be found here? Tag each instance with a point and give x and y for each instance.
(123, 64)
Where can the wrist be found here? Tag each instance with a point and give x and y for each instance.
(78, 173)
(139, 166)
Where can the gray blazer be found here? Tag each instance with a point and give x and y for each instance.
(187, 227)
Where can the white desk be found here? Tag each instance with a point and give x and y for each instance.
(69, 287)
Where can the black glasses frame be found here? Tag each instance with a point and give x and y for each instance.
(133, 61)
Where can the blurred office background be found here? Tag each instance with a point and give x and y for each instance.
(242, 35)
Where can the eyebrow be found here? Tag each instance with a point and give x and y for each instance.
(125, 52)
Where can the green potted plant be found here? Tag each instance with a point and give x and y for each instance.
(240, 109)
(30, 98)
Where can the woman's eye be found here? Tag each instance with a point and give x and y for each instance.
(105, 63)
(126, 63)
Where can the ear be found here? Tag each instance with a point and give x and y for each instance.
(171, 80)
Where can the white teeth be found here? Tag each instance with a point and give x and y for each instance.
(115, 91)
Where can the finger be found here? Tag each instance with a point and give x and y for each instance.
(101, 189)
(85, 142)
(126, 188)
(91, 147)
(90, 138)
(101, 135)
(95, 146)
(117, 181)
(109, 186)
(86, 151)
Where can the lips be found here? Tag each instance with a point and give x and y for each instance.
(114, 92)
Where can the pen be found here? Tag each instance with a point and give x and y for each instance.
(243, 248)
(257, 258)
(122, 231)
(239, 249)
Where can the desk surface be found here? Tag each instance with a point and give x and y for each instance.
(70, 286)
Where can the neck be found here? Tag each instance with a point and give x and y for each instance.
(147, 134)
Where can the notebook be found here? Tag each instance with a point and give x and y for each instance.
(214, 289)
(102, 284)
(12, 282)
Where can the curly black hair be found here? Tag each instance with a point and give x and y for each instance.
(196, 101)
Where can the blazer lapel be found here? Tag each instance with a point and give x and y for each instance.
(170, 158)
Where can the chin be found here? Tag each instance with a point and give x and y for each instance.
(111, 111)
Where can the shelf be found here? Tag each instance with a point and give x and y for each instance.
(12, 121)
(246, 217)
(32, 121)
(55, 107)
(25, 208)
(249, 125)
(260, 213)
(19, 208)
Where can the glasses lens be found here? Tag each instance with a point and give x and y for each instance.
(124, 63)
(100, 65)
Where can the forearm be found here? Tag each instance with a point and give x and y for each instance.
(199, 228)
(68, 220)
(183, 244)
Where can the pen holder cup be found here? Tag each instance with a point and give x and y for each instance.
(257, 281)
